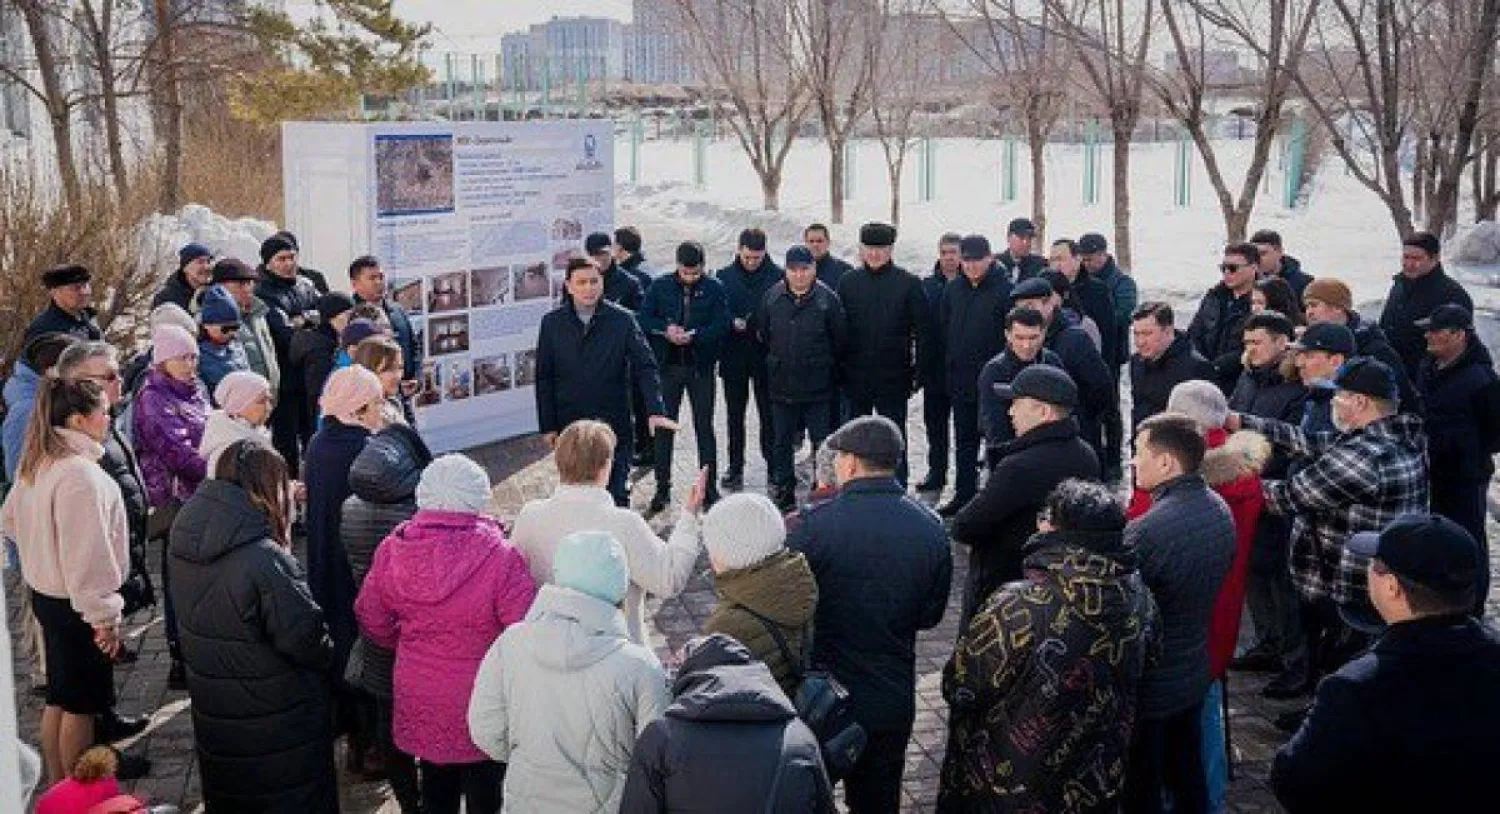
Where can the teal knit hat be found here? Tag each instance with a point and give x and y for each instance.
(593, 563)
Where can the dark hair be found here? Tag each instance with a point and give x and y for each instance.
(57, 401)
(1154, 310)
(1272, 322)
(950, 239)
(1021, 315)
(1249, 251)
(1081, 505)
(1178, 436)
(372, 312)
(753, 239)
(261, 471)
(1069, 242)
(1426, 241)
(43, 351)
(1280, 298)
(576, 263)
(364, 261)
(815, 227)
(1267, 237)
(1425, 601)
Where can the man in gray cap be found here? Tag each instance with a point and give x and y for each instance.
(873, 534)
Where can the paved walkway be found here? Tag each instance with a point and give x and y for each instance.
(522, 472)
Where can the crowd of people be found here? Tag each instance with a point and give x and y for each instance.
(327, 579)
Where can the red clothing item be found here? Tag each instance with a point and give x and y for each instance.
(1232, 467)
(76, 797)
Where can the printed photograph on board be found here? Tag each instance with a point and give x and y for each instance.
(413, 174)
(407, 292)
(458, 384)
(532, 281)
(526, 368)
(491, 375)
(432, 385)
(448, 292)
(448, 335)
(490, 286)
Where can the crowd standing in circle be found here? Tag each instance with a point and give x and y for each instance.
(327, 580)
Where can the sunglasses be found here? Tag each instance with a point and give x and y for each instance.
(1230, 268)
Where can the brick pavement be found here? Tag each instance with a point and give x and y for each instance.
(523, 472)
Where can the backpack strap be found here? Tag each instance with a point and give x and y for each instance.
(799, 666)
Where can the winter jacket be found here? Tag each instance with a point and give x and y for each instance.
(312, 354)
(994, 412)
(1462, 402)
(831, 271)
(622, 288)
(561, 699)
(726, 711)
(744, 353)
(176, 290)
(1274, 391)
(1022, 268)
(589, 371)
(168, 425)
(872, 533)
(1044, 722)
(292, 304)
(405, 336)
(1350, 482)
(72, 796)
(1097, 397)
(327, 461)
(1152, 380)
(260, 348)
(707, 316)
(886, 331)
(635, 266)
(1296, 279)
(54, 320)
(20, 399)
(973, 327)
(661, 568)
(780, 588)
(222, 431)
(1412, 299)
(1317, 409)
(1218, 332)
(804, 339)
(443, 587)
(1123, 290)
(1407, 726)
(71, 532)
(1093, 299)
(216, 361)
(1186, 545)
(932, 369)
(1370, 341)
(257, 654)
(1000, 519)
(119, 462)
(1232, 468)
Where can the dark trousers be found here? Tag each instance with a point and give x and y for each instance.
(874, 785)
(1328, 642)
(737, 391)
(478, 784)
(965, 449)
(1114, 430)
(1273, 602)
(791, 420)
(892, 407)
(937, 410)
(619, 472)
(644, 444)
(1166, 765)
(288, 418)
(400, 768)
(677, 380)
(1466, 505)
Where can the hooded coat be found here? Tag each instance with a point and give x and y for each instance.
(168, 421)
(257, 654)
(1274, 391)
(223, 431)
(561, 699)
(780, 588)
(443, 587)
(727, 711)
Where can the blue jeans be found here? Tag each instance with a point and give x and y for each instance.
(1215, 756)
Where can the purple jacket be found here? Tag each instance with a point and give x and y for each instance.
(443, 587)
(168, 424)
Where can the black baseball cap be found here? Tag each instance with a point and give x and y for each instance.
(1329, 338)
(1043, 383)
(597, 242)
(1032, 288)
(799, 256)
(1427, 549)
(974, 247)
(1021, 227)
(1368, 377)
(1452, 316)
(1091, 243)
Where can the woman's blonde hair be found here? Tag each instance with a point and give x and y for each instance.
(378, 354)
(584, 448)
(57, 401)
(96, 763)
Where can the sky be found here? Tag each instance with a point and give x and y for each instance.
(476, 25)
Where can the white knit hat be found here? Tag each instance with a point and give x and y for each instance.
(742, 530)
(1201, 401)
(453, 483)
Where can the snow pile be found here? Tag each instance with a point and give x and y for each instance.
(160, 236)
(1477, 244)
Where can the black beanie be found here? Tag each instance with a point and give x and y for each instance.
(274, 245)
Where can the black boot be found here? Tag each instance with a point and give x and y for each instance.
(734, 478)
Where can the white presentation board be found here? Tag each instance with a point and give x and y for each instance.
(473, 223)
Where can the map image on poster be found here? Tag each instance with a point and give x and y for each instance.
(415, 174)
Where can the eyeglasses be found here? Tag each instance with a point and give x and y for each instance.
(108, 378)
(228, 329)
(1230, 268)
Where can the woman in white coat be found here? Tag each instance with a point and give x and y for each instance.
(562, 697)
(244, 400)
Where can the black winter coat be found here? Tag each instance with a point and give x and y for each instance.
(326, 465)
(1000, 519)
(804, 339)
(1463, 415)
(727, 711)
(1023, 269)
(831, 270)
(54, 320)
(120, 463)
(1218, 332)
(1275, 392)
(588, 372)
(175, 290)
(312, 355)
(1295, 277)
(744, 354)
(622, 288)
(1408, 726)
(994, 412)
(1092, 298)
(635, 266)
(293, 303)
(973, 329)
(1097, 397)
(1370, 341)
(707, 317)
(1152, 380)
(884, 571)
(1411, 300)
(932, 371)
(886, 315)
(1122, 290)
(257, 655)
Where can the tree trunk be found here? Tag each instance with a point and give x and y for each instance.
(171, 105)
(770, 188)
(1443, 204)
(895, 178)
(1123, 131)
(836, 144)
(58, 109)
(1486, 199)
(1038, 145)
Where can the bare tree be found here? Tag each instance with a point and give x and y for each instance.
(53, 90)
(905, 75)
(742, 47)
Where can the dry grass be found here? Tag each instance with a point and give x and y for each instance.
(232, 167)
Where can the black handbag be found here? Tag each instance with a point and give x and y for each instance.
(821, 702)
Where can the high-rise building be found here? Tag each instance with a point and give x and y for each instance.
(661, 45)
(565, 51)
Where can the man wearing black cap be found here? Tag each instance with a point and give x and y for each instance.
(1093, 249)
(1322, 349)
(1275, 262)
(1017, 260)
(1415, 293)
(973, 330)
(1025, 334)
(1372, 471)
(1462, 396)
(872, 534)
(1080, 358)
(1410, 725)
(932, 367)
(68, 310)
(887, 331)
(292, 303)
(1045, 452)
(802, 325)
(685, 317)
(317, 278)
(831, 269)
(620, 287)
(190, 278)
(239, 280)
(742, 365)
